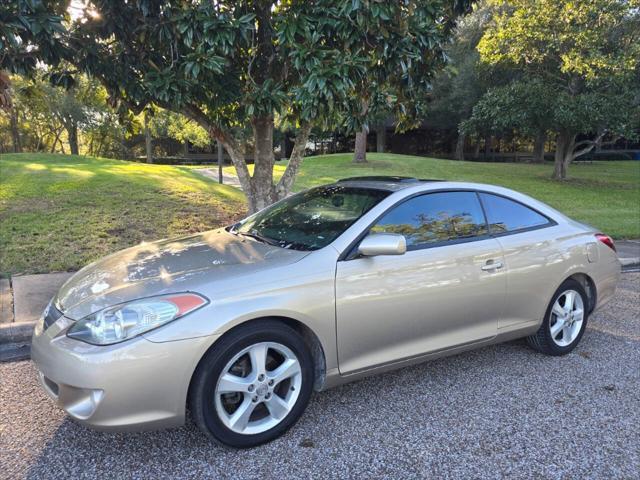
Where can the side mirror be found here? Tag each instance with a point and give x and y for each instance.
(382, 244)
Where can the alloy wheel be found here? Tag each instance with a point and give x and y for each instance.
(258, 388)
(567, 316)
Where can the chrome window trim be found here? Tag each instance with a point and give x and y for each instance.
(550, 221)
(350, 253)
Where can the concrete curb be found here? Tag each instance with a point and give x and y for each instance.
(16, 332)
(13, 352)
(626, 262)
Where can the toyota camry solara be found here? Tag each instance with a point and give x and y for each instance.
(238, 325)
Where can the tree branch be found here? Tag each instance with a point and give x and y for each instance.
(584, 142)
(286, 181)
(583, 151)
(589, 145)
(227, 140)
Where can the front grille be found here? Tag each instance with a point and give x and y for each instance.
(51, 315)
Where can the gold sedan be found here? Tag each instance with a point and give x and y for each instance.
(239, 325)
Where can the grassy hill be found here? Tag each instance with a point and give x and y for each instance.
(60, 212)
(603, 194)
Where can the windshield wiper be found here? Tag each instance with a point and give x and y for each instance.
(260, 238)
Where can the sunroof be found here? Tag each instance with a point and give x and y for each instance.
(380, 178)
(387, 179)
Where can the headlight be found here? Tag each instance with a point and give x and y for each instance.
(127, 320)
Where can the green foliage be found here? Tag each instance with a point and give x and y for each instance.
(577, 66)
(457, 88)
(31, 31)
(234, 60)
(45, 110)
(562, 40)
(231, 65)
(526, 106)
(165, 123)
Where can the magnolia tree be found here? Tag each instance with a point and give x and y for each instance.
(233, 64)
(578, 72)
(30, 32)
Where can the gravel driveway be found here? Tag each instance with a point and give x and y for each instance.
(500, 411)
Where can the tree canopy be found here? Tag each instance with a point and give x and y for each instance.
(232, 64)
(578, 67)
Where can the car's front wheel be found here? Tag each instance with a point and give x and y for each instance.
(565, 320)
(252, 385)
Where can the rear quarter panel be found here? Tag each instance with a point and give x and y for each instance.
(539, 261)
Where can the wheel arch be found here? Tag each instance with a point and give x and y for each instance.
(307, 334)
(589, 287)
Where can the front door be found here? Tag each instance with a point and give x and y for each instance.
(448, 289)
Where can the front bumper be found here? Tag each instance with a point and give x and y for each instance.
(134, 385)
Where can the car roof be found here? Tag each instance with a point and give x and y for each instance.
(384, 182)
(409, 186)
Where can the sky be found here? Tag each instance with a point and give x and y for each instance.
(76, 8)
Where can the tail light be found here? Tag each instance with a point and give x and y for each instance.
(607, 240)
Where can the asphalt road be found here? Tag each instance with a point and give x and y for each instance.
(496, 412)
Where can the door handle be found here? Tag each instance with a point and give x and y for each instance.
(491, 265)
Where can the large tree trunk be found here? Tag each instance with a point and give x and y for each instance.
(459, 154)
(476, 149)
(56, 139)
(565, 142)
(381, 138)
(263, 191)
(295, 161)
(15, 133)
(220, 162)
(148, 141)
(488, 140)
(538, 147)
(72, 133)
(360, 151)
(259, 189)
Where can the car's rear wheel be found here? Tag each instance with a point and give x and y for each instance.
(253, 385)
(565, 320)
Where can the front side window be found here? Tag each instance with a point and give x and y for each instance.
(505, 215)
(435, 218)
(312, 219)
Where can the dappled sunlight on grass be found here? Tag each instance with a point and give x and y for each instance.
(61, 212)
(603, 194)
(278, 169)
(75, 172)
(35, 166)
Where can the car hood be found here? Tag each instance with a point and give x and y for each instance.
(167, 266)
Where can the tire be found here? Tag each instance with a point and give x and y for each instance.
(560, 333)
(268, 402)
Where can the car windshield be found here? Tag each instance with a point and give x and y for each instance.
(312, 219)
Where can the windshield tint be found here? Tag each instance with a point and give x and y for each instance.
(310, 220)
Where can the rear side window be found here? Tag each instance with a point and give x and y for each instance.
(505, 215)
(435, 218)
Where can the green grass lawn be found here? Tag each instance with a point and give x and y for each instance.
(603, 194)
(60, 212)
